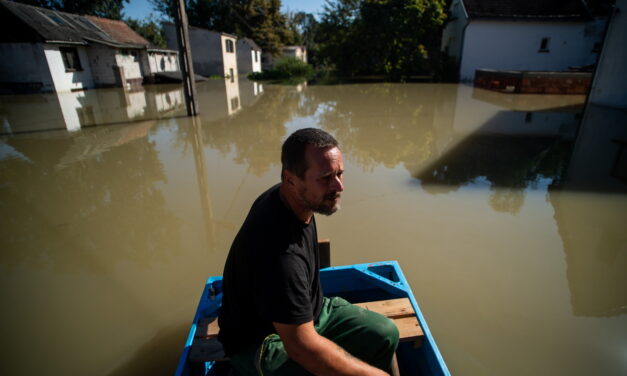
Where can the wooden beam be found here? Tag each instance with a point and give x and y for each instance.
(399, 310)
(392, 308)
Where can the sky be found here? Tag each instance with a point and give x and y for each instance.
(139, 9)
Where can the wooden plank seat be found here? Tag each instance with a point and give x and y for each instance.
(206, 346)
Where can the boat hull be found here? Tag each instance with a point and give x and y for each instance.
(355, 283)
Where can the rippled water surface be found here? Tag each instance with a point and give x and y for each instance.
(506, 212)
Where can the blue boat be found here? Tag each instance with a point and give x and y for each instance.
(362, 284)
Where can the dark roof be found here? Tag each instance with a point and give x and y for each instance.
(251, 43)
(189, 27)
(527, 9)
(53, 26)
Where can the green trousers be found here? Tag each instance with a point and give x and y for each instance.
(366, 335)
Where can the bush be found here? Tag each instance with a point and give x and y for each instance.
(284, 69)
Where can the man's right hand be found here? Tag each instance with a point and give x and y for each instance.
(319, 355)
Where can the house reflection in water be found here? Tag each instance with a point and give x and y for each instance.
(597, 167)
(581, 161)
(74, 110)
(511, 142)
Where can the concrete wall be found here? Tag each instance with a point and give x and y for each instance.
(516, 46)
(609, 86)
(64, 80)
(25, 63)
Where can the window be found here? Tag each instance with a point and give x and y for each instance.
(70, 59)
(544, 45)
(234, 103)
(231, 74)
(229, 46)
(256, 56)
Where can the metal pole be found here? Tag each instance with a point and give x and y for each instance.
(185, 58)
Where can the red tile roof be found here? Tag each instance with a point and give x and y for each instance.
(119, 31)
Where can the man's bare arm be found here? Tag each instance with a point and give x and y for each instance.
(319, 355)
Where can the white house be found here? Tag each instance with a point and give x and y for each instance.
(213, 53)
(551, 35)
(45, 50)
(248, 56)
(297, 52)
(609, 86)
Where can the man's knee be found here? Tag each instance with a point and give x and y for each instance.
(385, 330)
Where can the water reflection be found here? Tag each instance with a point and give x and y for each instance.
(596, 264)
(74, 110)
(87, 179)
(254, 136)
(499, 206)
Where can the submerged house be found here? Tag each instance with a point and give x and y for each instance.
(549, 35)
(213, 53)
(45, 50)
(297, 52)
(248, 56)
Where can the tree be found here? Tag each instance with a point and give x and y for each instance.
(397, 38)
(102, 8)
(260, 20)
(304, 28)
(149, 28)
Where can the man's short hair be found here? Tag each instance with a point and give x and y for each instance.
(293, 151)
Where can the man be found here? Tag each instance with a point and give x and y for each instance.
(274, 319)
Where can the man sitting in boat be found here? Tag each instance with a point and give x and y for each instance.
(274, 318)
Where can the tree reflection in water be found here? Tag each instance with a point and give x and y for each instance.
(95, 185)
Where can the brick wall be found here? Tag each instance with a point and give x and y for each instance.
(524, 82)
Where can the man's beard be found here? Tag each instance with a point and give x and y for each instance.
(322, 207)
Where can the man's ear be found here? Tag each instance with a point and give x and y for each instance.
(289, 177)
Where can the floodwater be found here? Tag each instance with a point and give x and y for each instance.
(506, 212)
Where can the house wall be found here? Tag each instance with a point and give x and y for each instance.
(515, 46)
(299, 53)
(67, 81)
(162, 62)
(229, 58)
(102, 60)
(23, 63)
(129, 61)
(256, 59)
(610, 81)
(246, 58)
(206, 48)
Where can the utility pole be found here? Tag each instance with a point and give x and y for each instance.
(185, 58)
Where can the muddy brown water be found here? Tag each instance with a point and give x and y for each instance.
(506, 212)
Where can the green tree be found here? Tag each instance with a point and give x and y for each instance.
(397, 38)
(304, 28)
(102, 8)
(149, 28)
(260, 20)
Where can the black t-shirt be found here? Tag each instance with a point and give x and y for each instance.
(271, 274)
